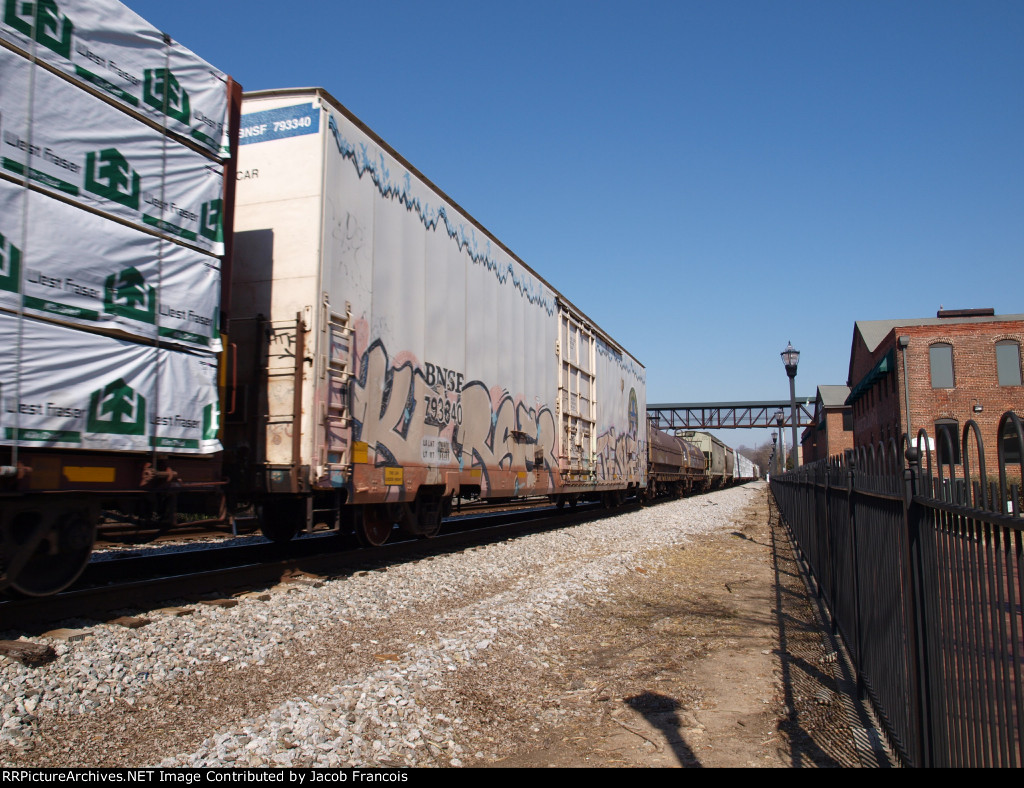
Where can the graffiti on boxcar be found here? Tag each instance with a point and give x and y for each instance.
(406, 419)
(619, 456)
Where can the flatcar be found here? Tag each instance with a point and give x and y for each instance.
(115, 230)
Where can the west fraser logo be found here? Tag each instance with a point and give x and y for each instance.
(634, 413)
(41, 21)
(163, 92)
(10, 265)
(117, 409)
(211, 421)
(109, 175)
(210, 226)
(126, 294)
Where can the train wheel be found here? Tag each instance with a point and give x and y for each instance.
(49, 553)
(430, 511)
(612, 499)
(374, 525)
(422, 519)
(280, 520)
(562, 501)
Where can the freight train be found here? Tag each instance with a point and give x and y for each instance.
(692, 462)
(261, 307)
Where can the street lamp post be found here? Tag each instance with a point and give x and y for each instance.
(779, 417)
(790, 358)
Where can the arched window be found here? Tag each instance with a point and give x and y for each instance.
(1008, 362)
(1011, 445)
(940, 357)
(947, 440)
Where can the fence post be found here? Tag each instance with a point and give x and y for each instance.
(855, 573)
(915, 601)
(830, 553)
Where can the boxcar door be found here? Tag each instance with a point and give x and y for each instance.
(577, 406)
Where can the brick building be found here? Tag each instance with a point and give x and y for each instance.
(959, 365)
(831, 434)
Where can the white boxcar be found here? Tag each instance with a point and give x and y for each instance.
(392, 351)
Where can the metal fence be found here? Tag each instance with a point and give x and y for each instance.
(921, 566)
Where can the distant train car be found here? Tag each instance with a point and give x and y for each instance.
(746, 470)
(716, 457)
(674, 468)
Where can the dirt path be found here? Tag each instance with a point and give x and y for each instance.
(714, 659)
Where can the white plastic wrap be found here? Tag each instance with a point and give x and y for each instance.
(61, 387)
(96, 273)
(103, 44)
(67, 141)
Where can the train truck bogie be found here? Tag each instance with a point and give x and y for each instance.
(44, 547)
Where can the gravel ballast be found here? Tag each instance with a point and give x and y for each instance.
(339, 672)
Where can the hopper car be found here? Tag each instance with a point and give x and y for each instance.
(723, 465)
(675, 467)
(695, 463)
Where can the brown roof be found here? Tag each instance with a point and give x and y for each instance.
(874, 331)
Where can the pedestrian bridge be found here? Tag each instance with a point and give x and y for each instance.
(730, 415)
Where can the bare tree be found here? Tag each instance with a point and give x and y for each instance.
(760, 455)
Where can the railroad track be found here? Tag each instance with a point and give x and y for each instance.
(117, 533)
(120, 586)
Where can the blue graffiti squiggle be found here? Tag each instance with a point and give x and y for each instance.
(629, 366)
(432, 217)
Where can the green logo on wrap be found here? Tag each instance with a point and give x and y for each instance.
(10, 265)
(211, 421)
(126, 294)
(211, 225)
(109, 175)
(162, 91)
(41, 21)
(117, 409)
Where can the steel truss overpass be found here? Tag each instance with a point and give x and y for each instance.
(730, 415)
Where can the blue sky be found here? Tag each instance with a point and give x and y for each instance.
(706, 180)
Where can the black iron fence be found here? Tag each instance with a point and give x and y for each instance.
(921, 565)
